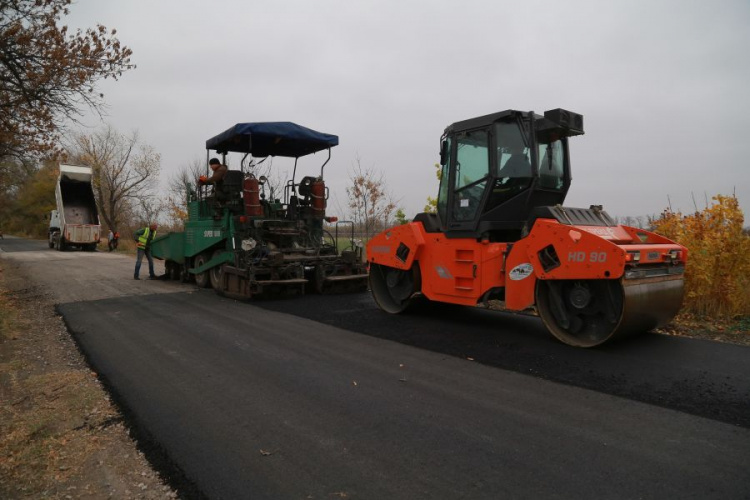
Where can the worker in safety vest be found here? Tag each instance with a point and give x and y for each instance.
(143, 238)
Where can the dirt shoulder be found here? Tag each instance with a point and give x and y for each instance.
(735, 331)
(60, 434)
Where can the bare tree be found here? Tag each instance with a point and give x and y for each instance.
(274, 179)
(641, 222)
(150, 209)
(124, 169)
(370, 204)
(185, 178)
(180, 185)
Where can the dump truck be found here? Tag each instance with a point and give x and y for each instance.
(501, 235)
(75, 223)
(245, 240)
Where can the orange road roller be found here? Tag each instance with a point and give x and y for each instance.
(501, 233)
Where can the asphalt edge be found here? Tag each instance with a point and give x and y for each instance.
(155, 454)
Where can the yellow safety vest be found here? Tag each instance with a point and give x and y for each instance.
(142, 239)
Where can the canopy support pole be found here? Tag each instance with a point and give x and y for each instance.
(326, 162)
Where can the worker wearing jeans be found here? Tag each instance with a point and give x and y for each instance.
(143, 237)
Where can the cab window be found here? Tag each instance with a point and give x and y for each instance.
(551, 157)
(513, 155)
(514, 173)
(472, 170)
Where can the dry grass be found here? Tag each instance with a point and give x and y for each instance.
(45, 411)
(125, 245)
(60, 435)
(732, 331)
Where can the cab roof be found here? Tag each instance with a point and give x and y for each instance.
(562, 121)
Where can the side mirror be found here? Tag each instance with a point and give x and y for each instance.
(444, 152)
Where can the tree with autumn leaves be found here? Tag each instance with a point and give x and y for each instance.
(48, 74)
(431, 206)
(48, 78)
(369, 201)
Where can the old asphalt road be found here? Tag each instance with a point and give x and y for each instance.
(325, 397)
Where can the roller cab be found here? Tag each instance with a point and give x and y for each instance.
(501, 232)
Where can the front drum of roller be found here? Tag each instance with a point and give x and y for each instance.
(588, 313)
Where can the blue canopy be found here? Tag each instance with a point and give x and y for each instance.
(271, 139)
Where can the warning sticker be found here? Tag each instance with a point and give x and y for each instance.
(521, 271)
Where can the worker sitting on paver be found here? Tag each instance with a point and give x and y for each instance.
(217, 179)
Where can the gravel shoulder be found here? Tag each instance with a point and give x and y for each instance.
(60, 434)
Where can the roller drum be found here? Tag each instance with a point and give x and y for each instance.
(392, 288)
(587, 313)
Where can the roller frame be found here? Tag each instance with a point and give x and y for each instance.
(483, 269)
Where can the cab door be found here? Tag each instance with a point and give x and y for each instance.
(468, 180)
(452, 268)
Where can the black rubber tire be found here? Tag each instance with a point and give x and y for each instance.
(214, 273)
(172, 270)
(176, 273)
(185, 276)
(203, 280)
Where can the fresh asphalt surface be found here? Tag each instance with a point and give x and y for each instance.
(704, 378)
(321, 397)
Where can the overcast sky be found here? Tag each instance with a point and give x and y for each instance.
(664, 86)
